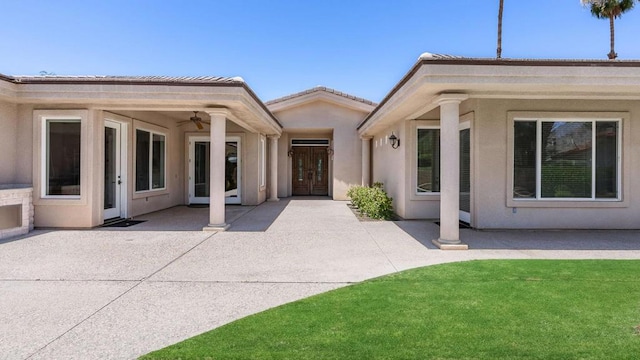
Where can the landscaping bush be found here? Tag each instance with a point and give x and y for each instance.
(372, 201)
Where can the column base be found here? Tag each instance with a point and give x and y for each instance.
(273, 200)
(212, 227)
(450, 245)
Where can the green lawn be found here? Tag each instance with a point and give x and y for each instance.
(506, 309)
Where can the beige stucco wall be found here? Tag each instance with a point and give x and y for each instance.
(69, 212)
(491, 196)
(8, 142)
(252, 193)
(320, 119)
(396, 168)
(173, 194)
(390, 165)
(491, 206)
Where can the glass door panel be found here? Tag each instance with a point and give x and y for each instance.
(200, 170)
(112, 175)
(201, 174)
(465, 175)
(232, 172)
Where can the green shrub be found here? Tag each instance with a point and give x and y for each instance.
(372, 201)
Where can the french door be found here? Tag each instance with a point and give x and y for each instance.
(310, 170)
(465, 172)
(200, 170)
(113, 177)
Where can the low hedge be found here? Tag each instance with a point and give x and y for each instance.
(372, 201)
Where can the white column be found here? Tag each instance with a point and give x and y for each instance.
(273, 168)
(217, 171)
(366, 161)
(450, 172)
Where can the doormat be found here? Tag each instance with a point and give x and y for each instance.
(124, 223)
(462, 224)
(198, 206)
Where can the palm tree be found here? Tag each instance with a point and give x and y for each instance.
(609, 9)
(499, 49)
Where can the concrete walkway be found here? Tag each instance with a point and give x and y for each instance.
(119, 293)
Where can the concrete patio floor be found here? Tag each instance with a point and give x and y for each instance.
(114, 293)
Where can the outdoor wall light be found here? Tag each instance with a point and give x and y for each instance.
(290, 152)
(395, 142)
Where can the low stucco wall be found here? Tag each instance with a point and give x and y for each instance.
(16, 210)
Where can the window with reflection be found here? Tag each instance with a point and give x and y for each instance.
(428, 161)
(566, 159)
(150, 160)
(62, 147)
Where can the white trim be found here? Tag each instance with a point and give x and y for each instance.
(464, 125)
(124, 161)
(44, 163)
(262, 158)
(191, 140)
(238, 198)
(415, 163)
(192, 199)
(135, 161)
(593, 121)
(115, 211)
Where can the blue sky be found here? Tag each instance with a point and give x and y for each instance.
(281, 47)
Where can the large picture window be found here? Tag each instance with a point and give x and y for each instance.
(566, 159)
(62, 157)
(150, 160)
(428, 161)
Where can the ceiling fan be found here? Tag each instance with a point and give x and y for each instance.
(196, 120)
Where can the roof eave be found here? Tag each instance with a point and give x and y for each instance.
(489, 62)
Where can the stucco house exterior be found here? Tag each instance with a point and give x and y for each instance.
(496, 143)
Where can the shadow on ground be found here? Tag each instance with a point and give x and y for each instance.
(424, 231)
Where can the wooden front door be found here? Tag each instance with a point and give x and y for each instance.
(310, 170)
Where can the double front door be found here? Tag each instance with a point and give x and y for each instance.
(310, 175)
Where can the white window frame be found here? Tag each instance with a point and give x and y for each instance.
(593, 121)
(415, 162)
(44, 181)
(263, 162)
(135, 167)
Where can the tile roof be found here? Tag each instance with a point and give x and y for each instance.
(317, 89)
(125, 79)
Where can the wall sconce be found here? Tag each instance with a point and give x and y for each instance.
(330, 151)
(395, 142)
(290, 152)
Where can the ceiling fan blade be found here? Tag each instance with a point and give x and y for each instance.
(199, 125)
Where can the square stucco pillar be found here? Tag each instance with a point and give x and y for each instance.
(217, 171)
(450, 172)
(366, 161)
(273, 168)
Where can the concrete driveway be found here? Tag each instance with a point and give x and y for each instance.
(120, 293)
